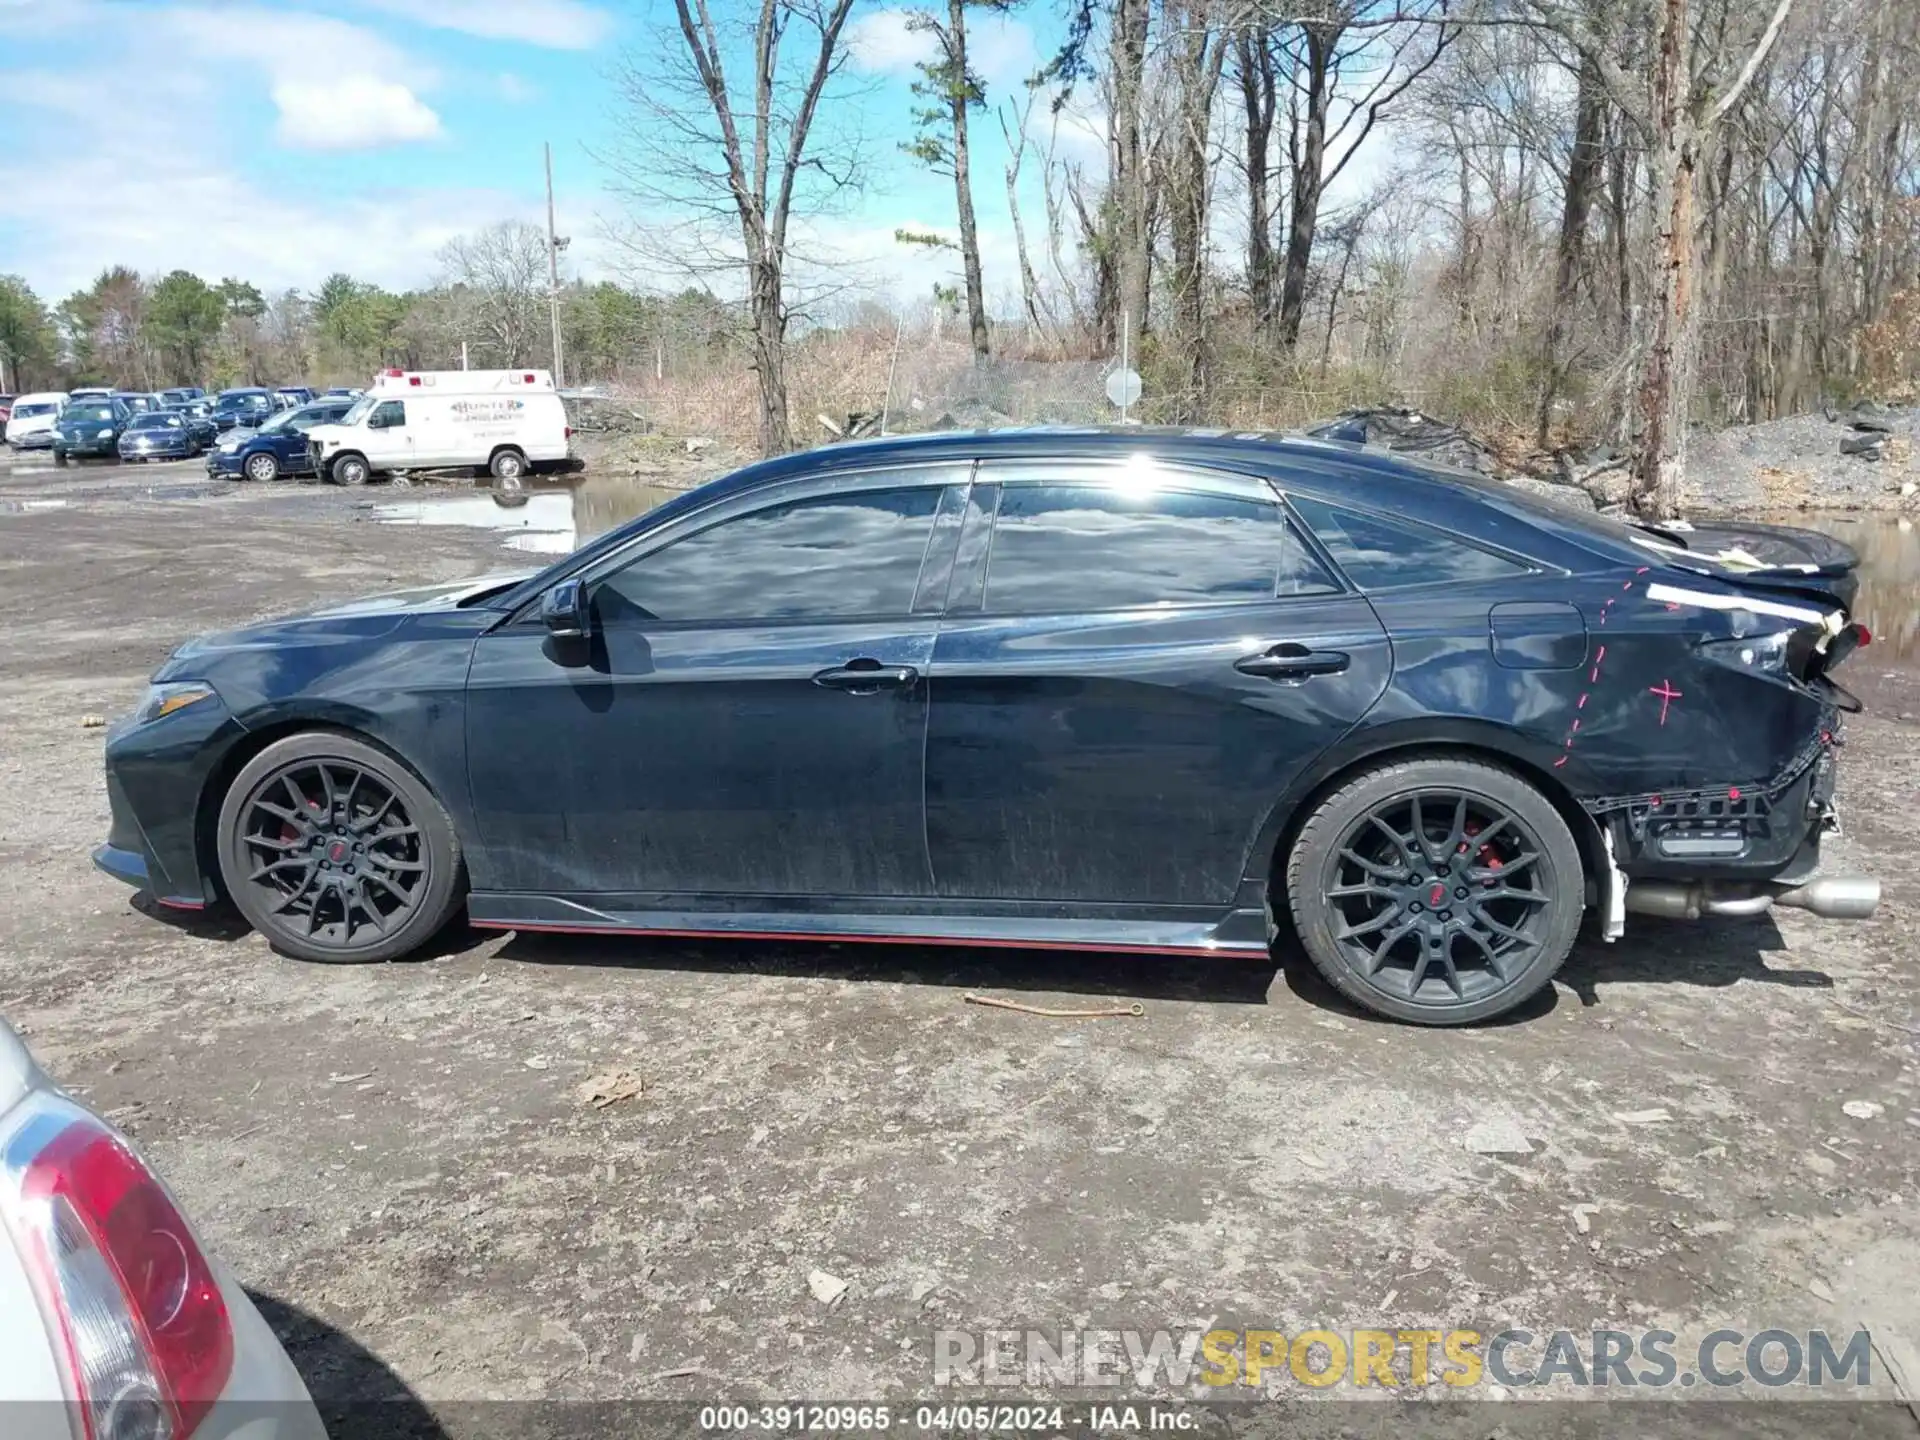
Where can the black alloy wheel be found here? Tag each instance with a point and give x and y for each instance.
(1438, 891)
(335, 851)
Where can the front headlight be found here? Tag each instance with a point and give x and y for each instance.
(227, 447)
(104, 435)
(161, 701)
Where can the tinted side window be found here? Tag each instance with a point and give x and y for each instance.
(1380, 556)
(850, 554)
(1089, 547)
(390, 413)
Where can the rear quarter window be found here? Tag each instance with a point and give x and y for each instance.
(1379, 554)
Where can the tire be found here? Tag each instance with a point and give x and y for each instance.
(335, 879)
(60, 458)
(507, 465)
(262, 467)
(349, 469)
(1458, 930)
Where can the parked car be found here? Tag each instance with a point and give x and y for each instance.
(140, 402)
(245, 407)
(507, 422)
(159, 435)
(6, 410)
(91, 392)
(181, 394)
(342, 392)
(117, 1321)
(31, 419)
(1126, 690)
(279, 447)
(199, 417)
(89, 427)
(294, 395)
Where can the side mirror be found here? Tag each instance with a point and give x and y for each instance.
(563, 610)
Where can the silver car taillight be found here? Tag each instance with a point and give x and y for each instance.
(144, 1335)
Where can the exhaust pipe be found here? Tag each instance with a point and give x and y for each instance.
(1832, 897)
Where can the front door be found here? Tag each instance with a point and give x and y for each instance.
(748, 717)
(389, 441)
(1136, 665)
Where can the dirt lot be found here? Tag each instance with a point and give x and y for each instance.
(396, 1159)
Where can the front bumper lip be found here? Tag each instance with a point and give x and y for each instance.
(130, 867)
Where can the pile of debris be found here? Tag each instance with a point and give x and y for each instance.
(1409, 431)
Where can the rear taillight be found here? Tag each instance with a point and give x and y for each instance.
(569, 434)
(146, 1339)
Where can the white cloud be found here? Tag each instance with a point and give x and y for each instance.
(882, 42)
(337, 86)
(147, 173)
(353, 112)
(1000, 49)
(556, 24)
(515, 90)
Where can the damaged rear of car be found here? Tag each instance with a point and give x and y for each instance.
(1772, 606)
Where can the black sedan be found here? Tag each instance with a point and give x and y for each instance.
(159, 435)
(1136, 691)
(89, 428)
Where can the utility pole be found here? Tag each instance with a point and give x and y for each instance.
(555, 244)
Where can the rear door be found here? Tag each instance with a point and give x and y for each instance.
(1136, 663)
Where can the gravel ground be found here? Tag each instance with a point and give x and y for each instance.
(1795, 464)
(399, 1162)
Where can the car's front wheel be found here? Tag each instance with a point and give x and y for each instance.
(349, 470)
(262, 467)
(336, 851)
(1436, 890)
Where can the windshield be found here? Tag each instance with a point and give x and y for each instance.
(357, 411)
(243, 400)
(22, 412)
(278, 422)
(156, 421)
(83, 413)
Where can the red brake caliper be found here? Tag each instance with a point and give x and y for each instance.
(1487, 858)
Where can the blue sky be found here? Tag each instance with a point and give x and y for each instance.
(281, 140)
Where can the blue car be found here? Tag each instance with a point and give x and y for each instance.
(278, 447)
(199, 417)
(1125, 690)
(89, 427)
(159, 435)
(291, 395)
(248, 407)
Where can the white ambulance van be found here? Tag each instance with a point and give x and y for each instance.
(507, 422)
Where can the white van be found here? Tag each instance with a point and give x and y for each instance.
(31, 424)
(508, 422)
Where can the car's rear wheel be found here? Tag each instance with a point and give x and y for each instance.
(1439, 891)
(335, 851)
(262, 467)
(508, 465)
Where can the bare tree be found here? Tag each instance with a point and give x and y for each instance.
(499, 275)
(1014, 125)
(954, 89)
(701, 158)
(1344, 69)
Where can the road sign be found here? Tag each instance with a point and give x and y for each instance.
(1123, 388)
